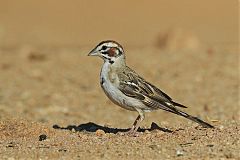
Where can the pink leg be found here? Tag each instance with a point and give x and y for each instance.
(134, 124)
(137, 122)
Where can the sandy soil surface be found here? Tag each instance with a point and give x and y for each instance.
(51, 103)
(56, 92)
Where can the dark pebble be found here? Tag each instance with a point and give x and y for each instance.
(62, 150)
(42, 137)
(210, 145)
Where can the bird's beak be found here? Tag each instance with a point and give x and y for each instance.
(93, 52)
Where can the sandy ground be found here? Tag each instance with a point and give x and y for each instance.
(56, 92)
(51, 103)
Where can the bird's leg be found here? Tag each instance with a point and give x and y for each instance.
(134, 124)
(142, 116)
(137, 122)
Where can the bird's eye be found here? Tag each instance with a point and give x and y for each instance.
(104, 47)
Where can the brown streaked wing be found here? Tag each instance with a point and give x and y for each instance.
(132, 85)
(130, 90)
(158, 105)
(151, 102)
(144, 87)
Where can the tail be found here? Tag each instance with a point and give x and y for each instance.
(195, 119)
(178, 104)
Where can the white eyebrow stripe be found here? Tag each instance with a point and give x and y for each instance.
(111, 45)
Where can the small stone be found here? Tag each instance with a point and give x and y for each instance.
(42, 137)
(179, 153)
(73, 130)
(11, 144)
(228, 155)
(210, 145)
(62, 150)
(214, 120)
(221, 127)
(153, 146)
(100, 132)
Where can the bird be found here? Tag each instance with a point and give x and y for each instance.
(124, 87)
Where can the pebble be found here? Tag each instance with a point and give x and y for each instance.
(100, 132)
(42, 137)
(179, 153)
(62, 150)
(73, 130)
(210, 145)
(153, 146)
(221, 127)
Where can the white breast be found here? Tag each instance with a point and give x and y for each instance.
(110, 82)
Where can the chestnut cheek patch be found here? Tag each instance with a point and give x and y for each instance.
(112, 52)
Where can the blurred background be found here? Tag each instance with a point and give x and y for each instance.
(187, 48)
(136, 23)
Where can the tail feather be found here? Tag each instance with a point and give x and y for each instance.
(195, 119)
(178, 104)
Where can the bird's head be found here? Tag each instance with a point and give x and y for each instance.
(110, 51)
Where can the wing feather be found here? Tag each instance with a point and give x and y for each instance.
(134, 86)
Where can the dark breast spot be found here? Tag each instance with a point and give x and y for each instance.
(111, 62)
(102, 81)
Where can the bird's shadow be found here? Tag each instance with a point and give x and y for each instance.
(93, 127)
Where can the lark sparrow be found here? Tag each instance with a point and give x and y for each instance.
(130, 91)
